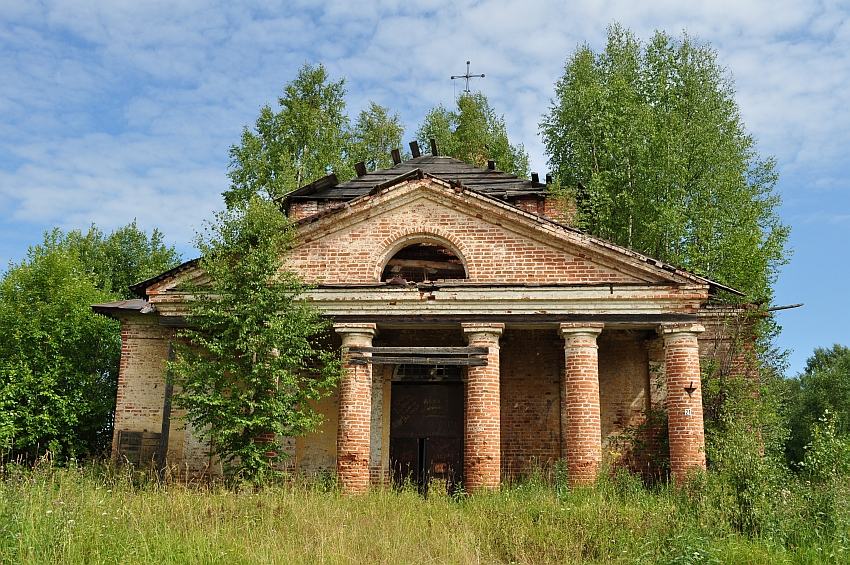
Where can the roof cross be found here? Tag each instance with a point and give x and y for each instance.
(467, 76)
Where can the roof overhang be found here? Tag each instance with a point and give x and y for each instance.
(121, 308)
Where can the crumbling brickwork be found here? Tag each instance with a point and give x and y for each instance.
(482, 414)
(141, 380)
(355, 411)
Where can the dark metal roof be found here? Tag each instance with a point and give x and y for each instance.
(491, 182)
(110, 309)
(140, 288)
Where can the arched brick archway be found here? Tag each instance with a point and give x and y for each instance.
(404, 238)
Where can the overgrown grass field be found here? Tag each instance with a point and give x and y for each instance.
(97, 515)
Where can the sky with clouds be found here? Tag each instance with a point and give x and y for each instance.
(118, 109)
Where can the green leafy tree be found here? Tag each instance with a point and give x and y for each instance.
(822, 388)
(254, 357)
(473, 133)
(58, 359)
(305, 139)
(125, 256)
(376, 133)
(649, 139)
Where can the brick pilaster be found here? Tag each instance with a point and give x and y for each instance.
(355, 412)
(482, 412)
(684, 398)
(581, 428)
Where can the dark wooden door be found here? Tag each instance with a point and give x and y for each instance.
(426, 432)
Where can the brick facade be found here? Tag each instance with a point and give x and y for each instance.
(141, 396)
(551, 389)
(355, 251)
(531, 367)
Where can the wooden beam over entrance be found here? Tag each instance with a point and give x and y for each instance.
(435, 356)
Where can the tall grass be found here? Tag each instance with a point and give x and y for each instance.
(95, 514)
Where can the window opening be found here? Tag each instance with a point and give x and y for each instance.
(423, 262)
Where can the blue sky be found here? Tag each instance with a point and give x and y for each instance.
(118, 110)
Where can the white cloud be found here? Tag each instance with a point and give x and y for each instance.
(109, 103)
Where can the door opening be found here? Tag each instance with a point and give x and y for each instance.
(426, 427)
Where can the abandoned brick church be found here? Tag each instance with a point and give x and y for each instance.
(482, 334)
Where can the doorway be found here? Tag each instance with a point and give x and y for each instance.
(426, 426)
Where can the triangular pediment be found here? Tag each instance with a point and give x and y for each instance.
(499, 243)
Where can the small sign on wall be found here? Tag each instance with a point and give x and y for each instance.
(688, 412)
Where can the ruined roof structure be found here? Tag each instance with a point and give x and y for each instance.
(482, 334)
(489, 181)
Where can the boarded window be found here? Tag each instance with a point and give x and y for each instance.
(138, 448)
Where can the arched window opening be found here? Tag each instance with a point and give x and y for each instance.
(423, 262)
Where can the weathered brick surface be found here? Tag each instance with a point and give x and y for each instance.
(531, 367)
(355, 412)
(684, 410)
(141, 380)
(581, 418)
(491, 252)
(482, 440)
(304, 208)
(623, 379)
(533, 205)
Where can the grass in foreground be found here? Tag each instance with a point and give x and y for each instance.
(93, 515)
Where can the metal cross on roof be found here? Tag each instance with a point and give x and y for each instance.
(467, 76)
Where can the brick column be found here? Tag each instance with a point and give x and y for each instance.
(581, 428)
(355, 411)
(482, 412)
(684, 398)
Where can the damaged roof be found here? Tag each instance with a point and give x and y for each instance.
(492, 182)
(139, 305)
(489, 183)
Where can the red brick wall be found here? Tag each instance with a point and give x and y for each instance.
(531, 365)
(533, 205)
(492, 252)
(623, 379)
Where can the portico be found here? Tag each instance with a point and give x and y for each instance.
(578, 414)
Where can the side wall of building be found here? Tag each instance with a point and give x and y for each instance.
(141, 395)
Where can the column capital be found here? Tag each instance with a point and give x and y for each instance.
(368, 329)
(568, 329)
(676, 329)
(491, 328)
